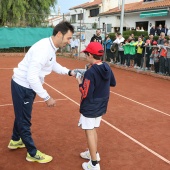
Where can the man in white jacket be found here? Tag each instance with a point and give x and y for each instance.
(27, 81)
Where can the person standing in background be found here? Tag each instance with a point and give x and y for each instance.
(155, 55)
(165, 30)
(168, 59)
(159, 30)
(120, 41)
(72, 44)
(153, 30)
(139, 53)
(153, 58)
(107, 45)
(77, 44)
(148, 44)
(132, 52)
(96, 37)
(168, 34)
(161, 39)
(162, 59)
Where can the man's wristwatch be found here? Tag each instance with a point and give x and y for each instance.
(69, 73)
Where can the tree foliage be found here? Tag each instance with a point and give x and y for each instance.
(25, 12)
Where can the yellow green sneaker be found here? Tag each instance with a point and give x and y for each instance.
(16, 144)
(39, 157)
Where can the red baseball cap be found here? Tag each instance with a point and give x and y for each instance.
(94, 48)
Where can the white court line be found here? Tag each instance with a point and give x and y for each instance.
(34, 102)
(134, 140)
(141, 104)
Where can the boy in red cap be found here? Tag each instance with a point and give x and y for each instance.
(95, 90)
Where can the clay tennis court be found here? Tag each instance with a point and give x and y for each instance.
(134, 134)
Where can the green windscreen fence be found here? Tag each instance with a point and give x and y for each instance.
(22, 37)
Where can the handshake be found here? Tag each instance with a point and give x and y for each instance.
(79, 72)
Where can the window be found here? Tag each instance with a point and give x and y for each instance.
(157, 23)
(80, 16)
(109, 27)
(94, 12)
(143, 25)
(73, 18)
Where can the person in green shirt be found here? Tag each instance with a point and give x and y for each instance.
(132, 52)
(126, 48)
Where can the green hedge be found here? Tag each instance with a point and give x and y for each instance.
(136, 33)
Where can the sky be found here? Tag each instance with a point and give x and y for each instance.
(66, 4)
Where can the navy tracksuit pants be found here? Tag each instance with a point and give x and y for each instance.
(23, 99)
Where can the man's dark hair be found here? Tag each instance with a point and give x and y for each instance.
(63, 27)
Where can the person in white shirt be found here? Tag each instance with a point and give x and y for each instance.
(27, 81)
(168, 33)
(72, 44)
(120, 40)
(77, 43)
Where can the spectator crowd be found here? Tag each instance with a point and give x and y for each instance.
(141, 53)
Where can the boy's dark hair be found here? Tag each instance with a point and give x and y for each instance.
(96, 57)
(63, 27)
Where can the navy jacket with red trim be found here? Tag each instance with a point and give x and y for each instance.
(95, 90)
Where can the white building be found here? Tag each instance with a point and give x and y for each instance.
(53, 20)
(106, 13)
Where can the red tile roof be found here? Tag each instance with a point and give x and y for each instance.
(87, 4)
(94, 3)
(140, 6)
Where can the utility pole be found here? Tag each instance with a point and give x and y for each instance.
(63, 16)
(62, 48)
(122, 17)
(104, 59)
(81, 17)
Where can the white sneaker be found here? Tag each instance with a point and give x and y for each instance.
(89, 166)
(86, 155)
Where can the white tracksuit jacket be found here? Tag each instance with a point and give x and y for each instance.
(38, 62)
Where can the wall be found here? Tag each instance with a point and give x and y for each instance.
(131, 19)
